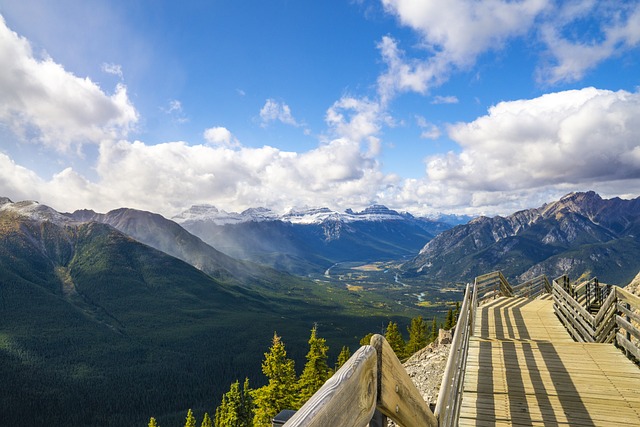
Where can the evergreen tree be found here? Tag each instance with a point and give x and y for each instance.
(366, 339)
(344, 355)
(434, 331)
(449, 322)
(456, 313)
(248, 408)
(417, 335)
(152, 422)
(279, 393)
(395, 340)
(206, 421)
(236, 409)
(316, 370)
(191, 420)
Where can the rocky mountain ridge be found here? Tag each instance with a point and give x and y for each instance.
(209, 213)
(580, 233)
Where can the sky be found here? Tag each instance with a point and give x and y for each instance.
(464, 106)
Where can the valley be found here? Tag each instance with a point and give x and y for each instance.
(382, 284)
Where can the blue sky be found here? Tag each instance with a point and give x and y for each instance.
(477, 107)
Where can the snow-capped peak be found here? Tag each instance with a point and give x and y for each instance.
(209, 213)
(35, 211)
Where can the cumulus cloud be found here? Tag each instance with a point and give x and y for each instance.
(574, 50)
(170, 177)
(276, 111)
(453, 33)
(576, 137)
(356, 119)
(41, 101)
(576, 36)
(219, 135)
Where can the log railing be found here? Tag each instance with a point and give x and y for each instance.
(616, 320)
(373, 379)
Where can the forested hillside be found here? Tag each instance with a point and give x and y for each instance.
(99, 329)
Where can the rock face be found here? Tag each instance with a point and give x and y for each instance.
(427, 366)
(634, 285)
(579, 234)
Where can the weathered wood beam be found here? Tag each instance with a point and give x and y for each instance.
(398, 397)
(346, 399)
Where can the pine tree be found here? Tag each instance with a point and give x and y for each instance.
(344, 355)
(395, 340)
(449, 322)
(417, 335)
(316, 370)
(191, 420)
(236, 409)
(248, 408)
(152, 422)
(456, 313)
(279, 393)
(206, 421)
(434, 331)
(366, 339)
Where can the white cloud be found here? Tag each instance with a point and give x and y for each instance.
(429, 130)
(219, 135)
(356, 119)
(40, 101)
(453, 34)
(576, 36)
(276, 111)
(574, 53)
(115, 69)
(578, 137)
(175, 111)
(445, 100)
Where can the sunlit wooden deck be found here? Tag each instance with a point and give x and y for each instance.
(524, 369)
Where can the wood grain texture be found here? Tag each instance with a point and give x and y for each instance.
(346, 399)
(523, 368)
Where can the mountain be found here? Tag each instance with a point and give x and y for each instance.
(579, 234)
(97, 328)
(310, 240)
(169, 237)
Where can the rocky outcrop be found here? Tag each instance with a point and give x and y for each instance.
(427, 366)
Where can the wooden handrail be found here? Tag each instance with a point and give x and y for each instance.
(348, 398)
(450, 395)
(373, 378)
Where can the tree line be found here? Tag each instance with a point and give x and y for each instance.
(243, 406)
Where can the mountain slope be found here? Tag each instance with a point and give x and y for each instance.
(169, 237)
(97, 328)
(581, 233)
(312, 240)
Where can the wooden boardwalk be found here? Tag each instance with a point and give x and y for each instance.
(524, 369)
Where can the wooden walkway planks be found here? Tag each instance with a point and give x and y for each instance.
(523, 369)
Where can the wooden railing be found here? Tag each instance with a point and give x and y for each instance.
(373, 379)
(449, 396)
(616, 320)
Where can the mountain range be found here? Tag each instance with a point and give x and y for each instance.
(99, 328)
(311, 240)
(580, 234)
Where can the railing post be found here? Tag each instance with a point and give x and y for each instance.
(628, 307)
